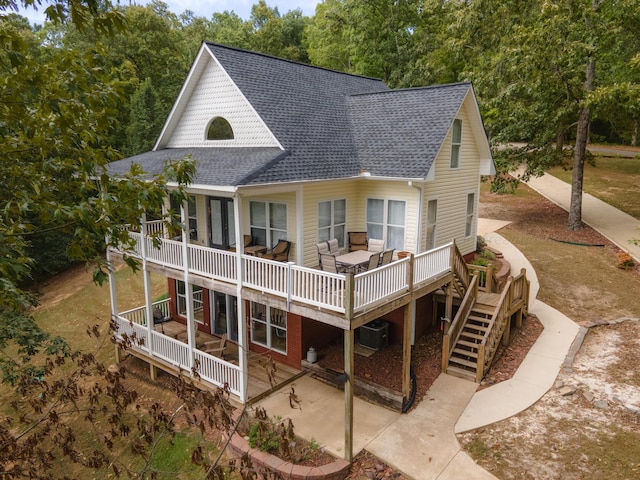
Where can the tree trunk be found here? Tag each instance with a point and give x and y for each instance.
(579, 154)
(634, 135)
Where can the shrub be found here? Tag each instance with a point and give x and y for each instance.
(625, 262)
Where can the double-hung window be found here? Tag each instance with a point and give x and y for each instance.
(332, 219)
(268, 222)
(269, 327)
(456, 143)
(471, 208)
(192, 214)
(386, 221)
(432, 220)
(181, 293)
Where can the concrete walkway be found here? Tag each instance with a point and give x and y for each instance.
(617, 226)
(537, 373)
(422, 444)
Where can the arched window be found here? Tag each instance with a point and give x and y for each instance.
(219, 129)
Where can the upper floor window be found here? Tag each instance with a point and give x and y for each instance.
(219, 129)
(432, 220)
(268, 222)
(386, 220)
(456, 142)
(471, 209)
(332, 218)
(192, 214)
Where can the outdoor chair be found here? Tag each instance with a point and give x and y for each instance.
(248, 240)
(334, 247)
(386, 257)
(374, 261)
(216, 347)
(280, 252)
(323, 248)
(375, 245)
(328, 263)
(357, 241)
(159, 318)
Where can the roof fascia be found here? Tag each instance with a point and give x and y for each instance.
(195, 67)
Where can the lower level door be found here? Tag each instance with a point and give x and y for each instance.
(224, 313)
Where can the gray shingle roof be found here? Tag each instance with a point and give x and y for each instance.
(399, 133)
(215, 166)
(331, 124)
(305, 108)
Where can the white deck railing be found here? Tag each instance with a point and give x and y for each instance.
(211, 369)
(310, 286)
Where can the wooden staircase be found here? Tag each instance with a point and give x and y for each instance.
(463, 361)
(482, 320)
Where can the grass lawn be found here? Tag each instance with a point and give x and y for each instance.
(614, 180)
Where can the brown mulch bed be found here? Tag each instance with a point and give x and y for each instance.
(384, 367)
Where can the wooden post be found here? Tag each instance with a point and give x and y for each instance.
(506, 335)
(153, 372)
(406, 352)
(480, 364)
(448, 306)
(349, 337)
(445, 352)
(348, 394)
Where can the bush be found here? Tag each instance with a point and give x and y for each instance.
(625, 262)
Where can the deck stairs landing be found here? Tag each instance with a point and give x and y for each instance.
(463, 361)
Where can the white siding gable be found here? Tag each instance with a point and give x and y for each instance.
(214, 95)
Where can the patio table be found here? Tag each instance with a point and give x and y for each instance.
(355, 259)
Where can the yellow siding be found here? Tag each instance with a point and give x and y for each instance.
(451, 187)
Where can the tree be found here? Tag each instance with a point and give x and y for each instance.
(57, 107)
(536, 78)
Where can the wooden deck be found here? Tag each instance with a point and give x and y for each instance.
(263, 378)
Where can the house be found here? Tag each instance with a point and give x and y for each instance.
(287, 151)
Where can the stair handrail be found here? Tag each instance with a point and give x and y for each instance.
(520, 287)
(489, 344)
(489, 281)
(454, 330)
(460, 270)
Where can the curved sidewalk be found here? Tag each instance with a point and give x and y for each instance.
(617, 226)
(538, 371)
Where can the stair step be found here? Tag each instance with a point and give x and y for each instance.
(471, 335)
(461, 373)
(473, 326)
(479, 319)
(468, 353)
(484, 310)
(468, 344)
(462, 361)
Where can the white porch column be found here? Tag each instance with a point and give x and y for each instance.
(243, 339)
(191, 333)
(146, 278)
(113, 296)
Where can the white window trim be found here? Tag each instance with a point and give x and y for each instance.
(470, 215)
(332, 225)
(459, 145)
(269, 326)
(268, 227)
(385, 222)
(429, 224)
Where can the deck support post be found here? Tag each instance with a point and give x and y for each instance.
(448, 306)
(349, 370)
(406, 352)
(506, 335)
(349, 337)
(153, 372)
